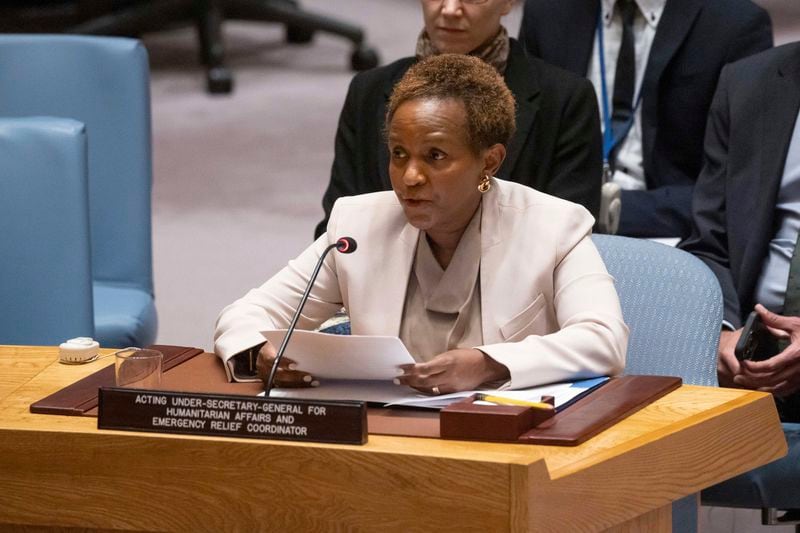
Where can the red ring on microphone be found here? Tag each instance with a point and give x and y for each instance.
(346, 245)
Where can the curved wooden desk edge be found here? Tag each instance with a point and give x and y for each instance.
(673, 461)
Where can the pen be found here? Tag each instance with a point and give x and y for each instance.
(499, 400)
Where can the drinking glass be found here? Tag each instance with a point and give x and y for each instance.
(137, 368)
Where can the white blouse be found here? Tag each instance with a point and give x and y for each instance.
(442, 308)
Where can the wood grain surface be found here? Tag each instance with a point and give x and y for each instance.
(62, 471)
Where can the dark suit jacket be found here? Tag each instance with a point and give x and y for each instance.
(749, 131)
(694, 39)
(556, 149)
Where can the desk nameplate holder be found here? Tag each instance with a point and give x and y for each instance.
(504, 423)
(572, 425)
(337, 422)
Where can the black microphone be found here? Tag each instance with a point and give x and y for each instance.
(345, 245)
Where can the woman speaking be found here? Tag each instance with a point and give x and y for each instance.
(485, 281)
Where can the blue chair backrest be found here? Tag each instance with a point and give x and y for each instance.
(673, 305)
(104, 83)
(45, 269)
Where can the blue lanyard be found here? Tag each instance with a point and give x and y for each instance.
(609, 141)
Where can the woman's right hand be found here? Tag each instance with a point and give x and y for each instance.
(286, 375)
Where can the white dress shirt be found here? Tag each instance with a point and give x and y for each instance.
(630, 163)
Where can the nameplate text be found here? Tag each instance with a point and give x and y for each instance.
(341, 422)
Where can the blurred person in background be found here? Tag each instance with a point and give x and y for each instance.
(654, 65)
(556, 148)
(746, 216)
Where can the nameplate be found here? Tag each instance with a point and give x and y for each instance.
(339, 422)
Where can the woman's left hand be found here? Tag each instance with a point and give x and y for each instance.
(453, 371)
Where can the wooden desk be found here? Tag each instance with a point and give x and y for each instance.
(57, 470)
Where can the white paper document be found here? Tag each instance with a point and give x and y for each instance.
(361, 367)
(340, 357)
(389, 394)
(564, 393)
(374, 391)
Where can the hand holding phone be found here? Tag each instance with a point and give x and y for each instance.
(756, 342)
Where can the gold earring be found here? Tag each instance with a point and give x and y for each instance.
(485, 184)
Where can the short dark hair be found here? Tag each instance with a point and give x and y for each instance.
(488, 102)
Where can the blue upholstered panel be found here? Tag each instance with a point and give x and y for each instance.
(673, 305)
(124, 316)
(338, 329)
(104, 83)
(45, 270)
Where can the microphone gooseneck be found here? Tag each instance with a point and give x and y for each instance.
(345, 245)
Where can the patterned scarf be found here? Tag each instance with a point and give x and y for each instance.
(494, 52)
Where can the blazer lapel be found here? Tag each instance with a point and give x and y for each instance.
(381, 311)
(492, 256)
(781, 103)
(674, 26)
(525, 89)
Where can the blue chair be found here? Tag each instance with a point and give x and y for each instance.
(673, 305)
(104, 83)
(46, 270)
(772, 487)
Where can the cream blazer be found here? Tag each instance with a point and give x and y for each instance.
(549, 309)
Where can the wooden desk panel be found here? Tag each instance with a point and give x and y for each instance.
(58, 470)
(19, 364)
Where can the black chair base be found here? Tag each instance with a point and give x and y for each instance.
(136, 18)
(770, 517)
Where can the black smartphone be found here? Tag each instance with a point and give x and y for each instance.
(756, 342)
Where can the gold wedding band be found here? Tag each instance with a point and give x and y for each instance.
(436, 391)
